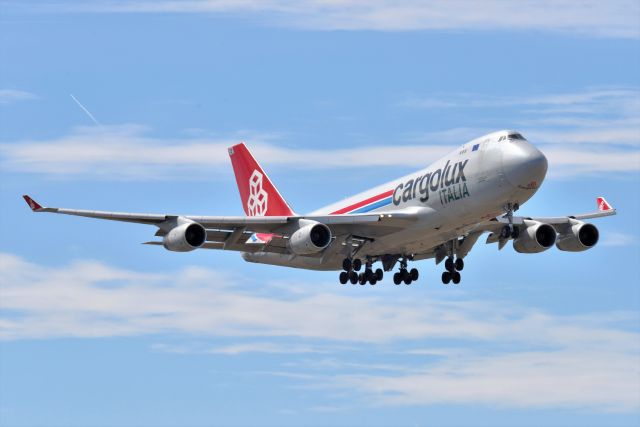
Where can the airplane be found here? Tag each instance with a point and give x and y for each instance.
(438, 212)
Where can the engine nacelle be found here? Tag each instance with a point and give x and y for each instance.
(185, 237)
(310, 239)
(580, 237)
(537, 237)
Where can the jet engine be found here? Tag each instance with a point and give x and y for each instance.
(537, 237)
(310, 239)
(580, 237)
(185, 237)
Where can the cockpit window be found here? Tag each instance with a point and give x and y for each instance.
(516, 136)
(501, 138)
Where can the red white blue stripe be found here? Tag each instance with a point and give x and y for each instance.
(367, 205)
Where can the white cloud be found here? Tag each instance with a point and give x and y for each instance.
(597, 379)
(9, 96)
(613, 238)
(235, 349)
(594, 131)
(125, 152)
(593, 100)
(537, 359)
(89, 298)
(617, 18)
(567, 162)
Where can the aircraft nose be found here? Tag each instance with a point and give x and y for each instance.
(523, 165)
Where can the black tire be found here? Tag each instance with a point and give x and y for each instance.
(515, 233)
(353, 277)
(379, 274)
(362, 279)
(414, 274)
(397, 278)
(407, 279)
(344, 277)
(455, 277)
(448, 265)
(346, 264)
(446, 277)
(459, 264)
(357, 264)
(505, 233)
(367, 274)
(373, 281)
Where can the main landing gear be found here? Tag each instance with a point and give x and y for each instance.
(404, 275)
(351, 267)
(453, 268)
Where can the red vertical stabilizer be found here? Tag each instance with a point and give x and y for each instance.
(259, 196)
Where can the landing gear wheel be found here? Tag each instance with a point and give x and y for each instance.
(353, 277)
(346, 264)
(357, 264)
(362, 278)
(455, 277)
(379, 274)
(505, 233)
(344, 277)
(414, 274)
(446, 277)
(459, 264)
(397, 278)
(515, 233)
(448, 264)
(372, 280)
(406, 277)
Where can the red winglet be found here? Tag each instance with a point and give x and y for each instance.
(35, 206)
(603, 205)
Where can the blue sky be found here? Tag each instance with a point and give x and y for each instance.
(333, 97)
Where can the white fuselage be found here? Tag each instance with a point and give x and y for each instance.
(468, 186)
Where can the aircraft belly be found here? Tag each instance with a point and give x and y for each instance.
(327, 263)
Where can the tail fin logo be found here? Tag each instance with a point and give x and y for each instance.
(258, 200)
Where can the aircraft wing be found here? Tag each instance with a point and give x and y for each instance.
(604, 209)
(221, 228)
(559, 222)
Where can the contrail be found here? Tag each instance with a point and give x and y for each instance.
(85, 110)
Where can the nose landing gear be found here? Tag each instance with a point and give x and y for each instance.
(509, 230)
